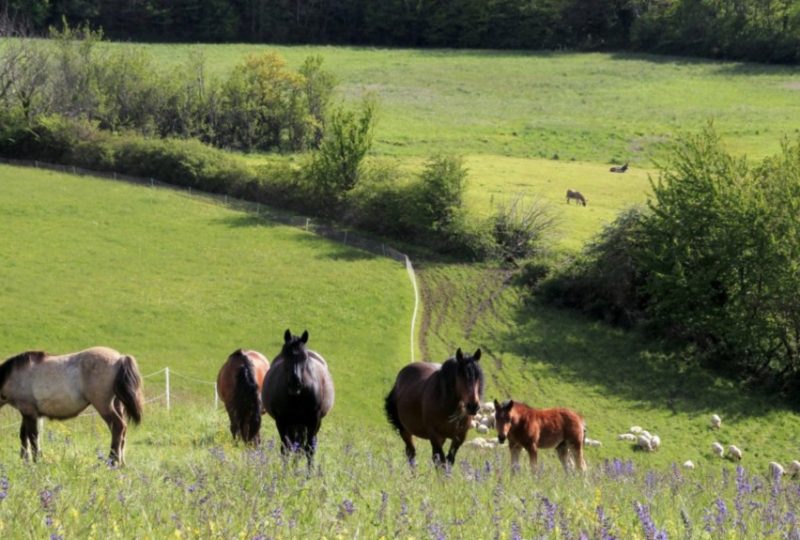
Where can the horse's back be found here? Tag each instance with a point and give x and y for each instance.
(555, 425)
(63, 385)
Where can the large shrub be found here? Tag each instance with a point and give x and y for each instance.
(721, 246)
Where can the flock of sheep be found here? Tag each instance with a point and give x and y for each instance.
(483, 423)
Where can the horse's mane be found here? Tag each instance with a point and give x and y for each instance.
(449, 374)
(19, 361)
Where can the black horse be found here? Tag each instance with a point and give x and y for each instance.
(297, 394)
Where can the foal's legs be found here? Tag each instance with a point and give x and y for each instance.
(533, 454)
(564, 456)
(514, 449)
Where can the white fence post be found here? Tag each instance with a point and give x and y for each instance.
(216, 396)
(413, 277)
(166, 372)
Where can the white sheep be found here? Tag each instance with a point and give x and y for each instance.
(734, 453)
(688, 464)
(482, 429)
(775, 469)
(645, 443)
(794, 468)
(626, 437)
(717, 449)
(655, 442)
(716, 421)
(592, 442)
(635, 430)
(488, 407)
(477, 442)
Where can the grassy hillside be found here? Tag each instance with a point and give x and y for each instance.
(182, 283)
(588, 107)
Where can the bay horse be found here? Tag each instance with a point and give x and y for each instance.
(239, 383)
(621, 169)
(297, 394)
(436, 402)
(60, 387)
(532, 429)
(576, 195)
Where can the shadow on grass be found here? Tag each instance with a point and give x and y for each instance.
(627, 365)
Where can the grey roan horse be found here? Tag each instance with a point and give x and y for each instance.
(436, 402)
(60, 387)
(298, 393)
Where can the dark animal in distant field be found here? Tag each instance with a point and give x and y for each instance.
(239, 383)
(298, 393)
(576, 195)
(60, 387)
(532, 429)
(621, 169)
(436, 402)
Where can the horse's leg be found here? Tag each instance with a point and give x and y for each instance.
(514, 450)
(454, 446)
(437, 444)
(232, 418)
(411, 452)
(29, 433)
(563, 455)
(580, 462)
(116, 425)
(120, 409)
(533, 454)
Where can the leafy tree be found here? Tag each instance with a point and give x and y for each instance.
(721, 247)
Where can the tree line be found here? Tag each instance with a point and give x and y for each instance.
(757, 30)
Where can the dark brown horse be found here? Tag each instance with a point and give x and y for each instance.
(60, 387)
(532, 429)
(576, 196)
(621, 169)
(298, 393)
(239, 385)
(436, 402)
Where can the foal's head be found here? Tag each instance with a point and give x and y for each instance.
(468, 380)
(295, 354)
(503, 419)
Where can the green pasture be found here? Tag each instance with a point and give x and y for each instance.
(180, 282)
(595, 107)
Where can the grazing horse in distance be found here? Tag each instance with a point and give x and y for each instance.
(60, 387)
(436, 402)
(297, 394)
(239, 383)
(621, 169)
(576, 195)
(532, 429)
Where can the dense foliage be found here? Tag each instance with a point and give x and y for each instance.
(262, 105)
(715, 261)
(764, 30)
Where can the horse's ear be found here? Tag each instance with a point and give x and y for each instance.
(477, 355)
(304, 337)
(287, 336)
(459, 355)
(510, 404)
(496, 404)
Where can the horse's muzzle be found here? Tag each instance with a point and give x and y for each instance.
(472, 408)
(501, 438)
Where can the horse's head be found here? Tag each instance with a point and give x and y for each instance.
(295, 354)
(469, 380)
(502, 419)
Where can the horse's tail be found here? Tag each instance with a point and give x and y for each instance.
(128, 388)
(247, 402)
(390, 405)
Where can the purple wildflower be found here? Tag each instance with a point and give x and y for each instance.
(516, 531)
(3, 487)
(605, 525)
(437, 531)
(722, 514)
(346, 509)
(649, 527)
(549, 513)
(46, 498)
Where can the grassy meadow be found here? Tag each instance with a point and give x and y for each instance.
(179, 281)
